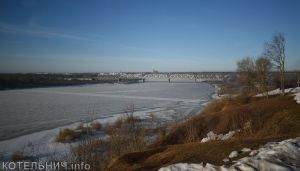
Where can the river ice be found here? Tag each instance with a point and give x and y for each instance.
(36, 115)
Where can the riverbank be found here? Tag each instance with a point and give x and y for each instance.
(259, 121)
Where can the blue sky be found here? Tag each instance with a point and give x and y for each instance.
(142, 35)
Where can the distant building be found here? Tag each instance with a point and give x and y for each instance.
(155, 71)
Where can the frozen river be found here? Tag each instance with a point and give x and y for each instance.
(32, 110)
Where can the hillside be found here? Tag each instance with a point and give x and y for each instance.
(259, 120)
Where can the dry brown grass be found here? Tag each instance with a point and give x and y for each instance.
(67, 135)
(260, 121)
(212, 152)
(275, 117)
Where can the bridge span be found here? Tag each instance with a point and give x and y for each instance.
(179, 76)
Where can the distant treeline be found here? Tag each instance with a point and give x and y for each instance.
(20, 81)
(33, 80)
(292, 79)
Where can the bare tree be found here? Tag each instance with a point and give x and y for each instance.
(275, 50)
(262, 67)
(246, 70)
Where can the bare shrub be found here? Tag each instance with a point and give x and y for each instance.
(67, 135)
(161, 133)
(263, 66)
(17, 156)
(238, 119)
(247, 129)
(275, 50)
(110, 127)
(96, 126)
(128, 137)
(91, 152)
(191, 131)
(246, 70)
(127, 134)
(90, 129)
(80, 126)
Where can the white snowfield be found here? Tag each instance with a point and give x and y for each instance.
(275, 156)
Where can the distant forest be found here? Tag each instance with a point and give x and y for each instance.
(17, 81)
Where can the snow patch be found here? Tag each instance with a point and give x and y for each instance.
(212, 136)
(274, 92)
(297, 98)
(284, 156)
(189, 167)
(295, 91)
(246, 150)
(226, 160)
(253, 152)
(278, 91)
(233, 154)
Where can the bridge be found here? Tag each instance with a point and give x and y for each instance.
(173, 76)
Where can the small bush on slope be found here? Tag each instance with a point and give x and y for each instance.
(96, 126)
(17, 156)
(126, 135)
(67, 135)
